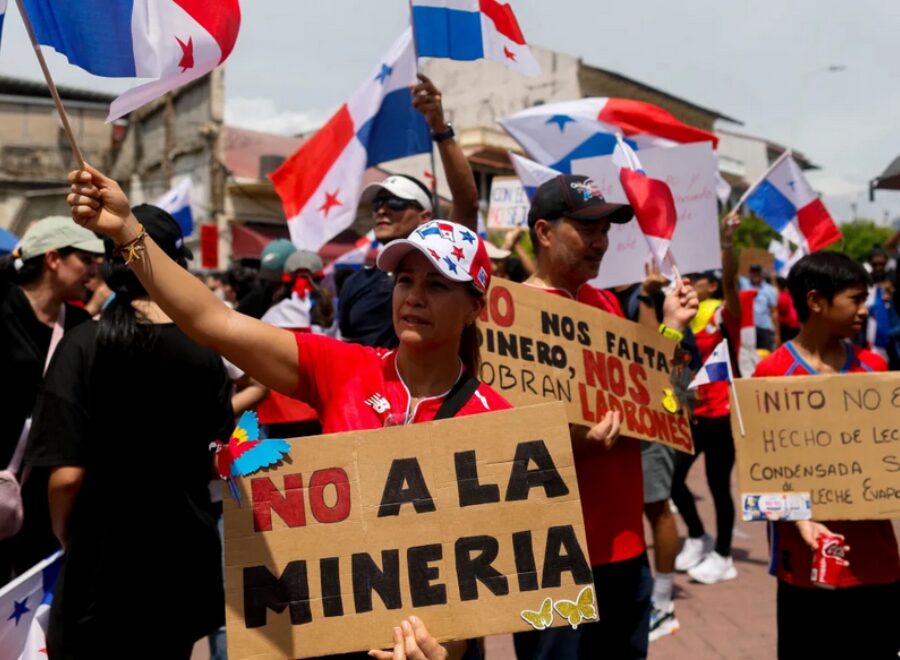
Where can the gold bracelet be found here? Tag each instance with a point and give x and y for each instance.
(671, 333)
(133, 248)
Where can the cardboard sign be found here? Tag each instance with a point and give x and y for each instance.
(536, 345)
(472, 524)
(754, 256)
(690, 171)
(835, 437)
(509, 204)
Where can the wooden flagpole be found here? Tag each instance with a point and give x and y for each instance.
(64, 118)
(737, 404)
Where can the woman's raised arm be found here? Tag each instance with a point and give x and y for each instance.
(266, 353)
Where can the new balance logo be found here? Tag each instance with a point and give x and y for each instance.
(378, 403)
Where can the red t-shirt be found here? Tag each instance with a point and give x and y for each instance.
(787, 315)
(714, 398)
(873, 547)
(353, 387)
(610, 482)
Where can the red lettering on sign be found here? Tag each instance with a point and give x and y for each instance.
(266, 498)
(320, 480)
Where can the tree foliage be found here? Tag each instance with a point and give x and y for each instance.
(860, 236)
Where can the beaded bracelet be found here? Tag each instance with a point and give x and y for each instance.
(133, 248)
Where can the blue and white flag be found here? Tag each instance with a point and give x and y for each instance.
(177, 202)
(716, 369)
(25, 611)
(531, 174)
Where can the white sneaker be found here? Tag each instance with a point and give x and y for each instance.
(663, 622)
(715, 568)
(693, 552)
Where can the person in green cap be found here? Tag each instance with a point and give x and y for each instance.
(271, 270)
(50, 267)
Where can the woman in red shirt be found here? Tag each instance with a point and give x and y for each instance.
(441, 273)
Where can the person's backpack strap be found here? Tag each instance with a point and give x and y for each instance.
(458, 396)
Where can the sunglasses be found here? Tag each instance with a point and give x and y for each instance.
(394, 204)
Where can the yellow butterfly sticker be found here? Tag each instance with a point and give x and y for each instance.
(580, 611)
(542, 618)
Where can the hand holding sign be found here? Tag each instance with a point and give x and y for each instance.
(680, 306)
(412, 641)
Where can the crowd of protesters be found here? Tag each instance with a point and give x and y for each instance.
(115, 473)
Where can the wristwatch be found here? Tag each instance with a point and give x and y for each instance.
(447, 134)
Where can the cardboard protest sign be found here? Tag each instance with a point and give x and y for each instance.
(835, 438)
(690, 172)
(509, 204)
(755, 257)
(538, 346)
(472, 524)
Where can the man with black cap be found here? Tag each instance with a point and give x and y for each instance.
(401, 203)
(569, 222)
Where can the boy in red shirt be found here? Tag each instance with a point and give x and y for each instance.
(861, 618)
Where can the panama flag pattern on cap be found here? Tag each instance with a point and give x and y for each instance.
(455, 251)
(173, 41)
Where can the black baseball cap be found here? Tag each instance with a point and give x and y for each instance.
(162, 228)
(575, 196)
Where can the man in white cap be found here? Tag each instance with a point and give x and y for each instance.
(401, 203)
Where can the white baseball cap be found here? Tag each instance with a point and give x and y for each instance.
(456, 251)
(401, 186)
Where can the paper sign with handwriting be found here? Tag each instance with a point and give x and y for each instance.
(536, 345)
(472, 524)
(509, 204)
(836, 437)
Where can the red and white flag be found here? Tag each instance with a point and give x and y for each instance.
(652, 201)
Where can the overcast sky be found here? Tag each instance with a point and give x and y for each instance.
(764, 62)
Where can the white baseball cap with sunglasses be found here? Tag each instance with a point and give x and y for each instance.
(400, 187)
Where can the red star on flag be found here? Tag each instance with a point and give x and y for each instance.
(187, 57)
(458, 253)
(509, 54)
(331, 200)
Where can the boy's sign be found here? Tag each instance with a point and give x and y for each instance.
(835, 437)
(472, 524)
(535, 345)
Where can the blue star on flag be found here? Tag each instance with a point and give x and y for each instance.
(467, 236)
(385, 72)
(450, 264)
(561, 121)
(792, 184)
(19, 610)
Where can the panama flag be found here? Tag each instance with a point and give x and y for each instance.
(356, 256)
(173, 41)
(652, 201)
(716, 369)
(25, 611)
(784, 258)
(321, 183)
(786, 201)
(555, 134)
(471, 30)
(531, 174)
(177, 202)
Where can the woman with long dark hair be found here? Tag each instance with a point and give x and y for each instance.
(124, 421)
(50, 267)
